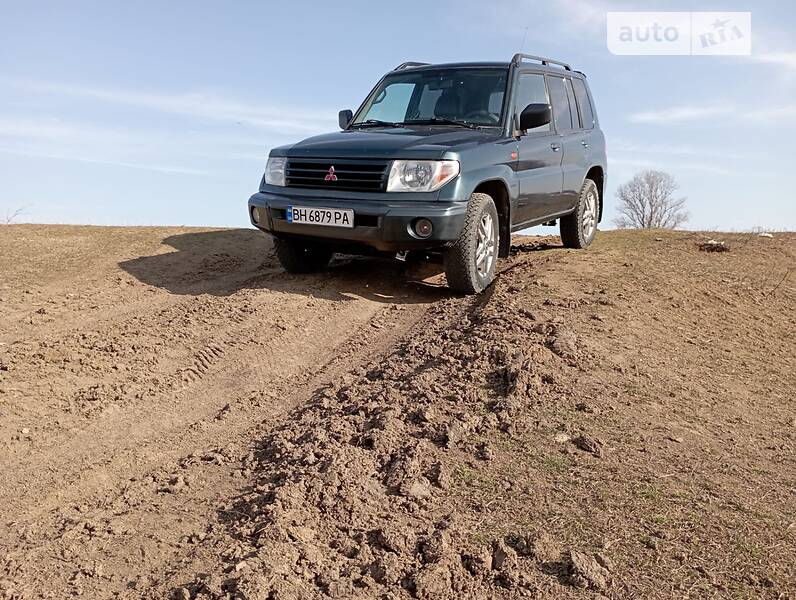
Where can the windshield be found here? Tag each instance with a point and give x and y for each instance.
(472, 96)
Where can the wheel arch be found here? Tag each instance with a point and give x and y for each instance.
(597, 175)
(499, 192)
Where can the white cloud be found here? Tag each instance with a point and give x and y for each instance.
(55, 138)
(149, 150)
(676, 150)
(683, 114)
(194, 104)
(36, 128)
(172, 169)
(773, 114)
(54, 129)
(680, 114)
(664, 165)
(779, 59)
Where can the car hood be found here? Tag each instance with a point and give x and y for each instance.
(397, 142)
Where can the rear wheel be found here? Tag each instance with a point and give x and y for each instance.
(302, 257)
(470, 263)
(579, 228)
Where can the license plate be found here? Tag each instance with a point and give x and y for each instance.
(332, 217)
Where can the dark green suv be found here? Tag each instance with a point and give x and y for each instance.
(450, 158)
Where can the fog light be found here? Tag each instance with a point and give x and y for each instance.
(423, 228)
(256, 215)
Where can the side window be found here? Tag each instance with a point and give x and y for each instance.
(531, 90)
(562, 113)
(392, 103)
(584, 104)
(573, 107)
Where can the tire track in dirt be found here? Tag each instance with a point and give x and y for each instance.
(98, 405)
(83, 521)
(204, 360)
(187, 394)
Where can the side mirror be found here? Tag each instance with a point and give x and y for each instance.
(535, 115)
(344, 118)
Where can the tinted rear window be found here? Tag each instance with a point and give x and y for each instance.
(584, 104)
(573, 107)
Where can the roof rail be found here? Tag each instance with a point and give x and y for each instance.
(409, 65)
(519, 57)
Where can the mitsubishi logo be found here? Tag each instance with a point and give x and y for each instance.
(330, 176)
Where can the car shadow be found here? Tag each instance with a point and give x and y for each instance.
(223, 262)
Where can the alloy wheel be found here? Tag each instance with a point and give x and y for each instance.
(589, 220)
(485, 247)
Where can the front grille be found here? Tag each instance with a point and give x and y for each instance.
(351, 175)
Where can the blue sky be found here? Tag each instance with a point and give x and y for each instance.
(150, 113)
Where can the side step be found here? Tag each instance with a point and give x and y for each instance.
(550, 223)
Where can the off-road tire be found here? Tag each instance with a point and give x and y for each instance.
(572, 225)
(302, 257)
(460, 257)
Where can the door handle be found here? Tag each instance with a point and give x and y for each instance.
(585, 143)
(555, 147)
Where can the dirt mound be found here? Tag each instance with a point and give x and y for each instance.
(351, 496)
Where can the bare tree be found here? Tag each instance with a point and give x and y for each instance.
(12, 215)
(647, 202)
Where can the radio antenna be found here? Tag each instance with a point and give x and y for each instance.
(524, 36)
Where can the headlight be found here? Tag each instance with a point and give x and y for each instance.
(275, 171)
(421, 175)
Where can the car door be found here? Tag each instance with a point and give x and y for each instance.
(567, 125)
(539, 154)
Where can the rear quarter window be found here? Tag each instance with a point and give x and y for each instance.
(573, 107)
(584, 104)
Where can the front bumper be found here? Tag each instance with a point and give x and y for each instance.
(379, 224)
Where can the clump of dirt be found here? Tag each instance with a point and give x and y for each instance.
(564, 342)
(97, 397)
(588, 444)
(587, 572)
(714, 246)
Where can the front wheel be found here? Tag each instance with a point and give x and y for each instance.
(579, 228)
(470, 263)
(302, 257)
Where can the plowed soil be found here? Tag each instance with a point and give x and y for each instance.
(181, 419)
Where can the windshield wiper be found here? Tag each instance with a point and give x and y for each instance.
(375, 123)
(443, 121)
